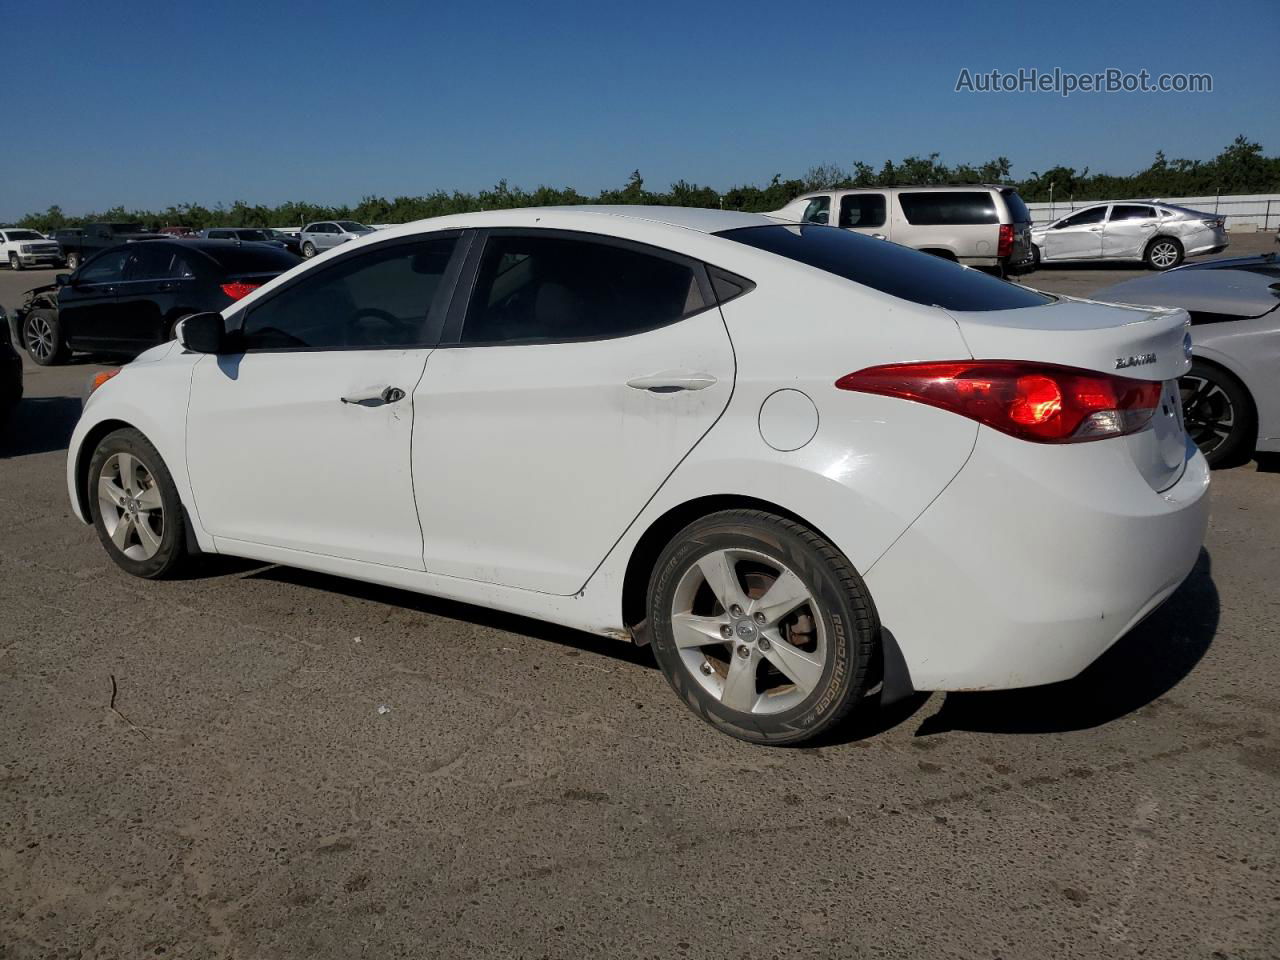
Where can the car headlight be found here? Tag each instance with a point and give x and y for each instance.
(24, 247)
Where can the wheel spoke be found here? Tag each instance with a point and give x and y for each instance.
(128, 473)
(722, 578)
(147, 537)
(740, 683)
(120, 535)
(798, 667)
(786, 593)
(111, 490)
(691, 630)
(149, 499)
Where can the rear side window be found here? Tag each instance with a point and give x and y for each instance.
(888, 267)
(549, 288)
(236, 260)
(952, 208)
(150, 261)
(1018, 212)
(1125, 211)
(862, 210)
(389, 296)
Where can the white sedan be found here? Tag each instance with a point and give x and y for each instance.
(800, 462)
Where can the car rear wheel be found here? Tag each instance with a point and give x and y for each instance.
(73, 261)
(42, 336)
(308, 250)
(1163, 253)
(1035, 257)
(135, 505)
(1218, 414)
(761, 626)
(15, 262)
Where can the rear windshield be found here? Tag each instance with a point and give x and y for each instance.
(235, 259)
(931, 208)
(888, 267)
(1018, 212)
(128, 228)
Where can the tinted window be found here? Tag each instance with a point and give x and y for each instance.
(1124, 211)
(818, 210)
(862, 210)
(107, 268)
(557, 288)
(252, 236)
(1092, 215)
(1018, 212)
(385, 297)
(352, 227)
(896, 270)
(235, 260)
(219, 234)
(953, 208)
(127, 227)
(153, 262)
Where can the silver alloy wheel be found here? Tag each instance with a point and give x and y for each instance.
(131, 506)
(749, 631)
(1164, 254)
(40, 338)
(308, 250)
(1207, 412)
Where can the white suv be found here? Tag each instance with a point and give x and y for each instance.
(980, 225)
(21, 248)
(324, 234)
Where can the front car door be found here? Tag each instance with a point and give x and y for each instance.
(1128, 228)
(580, 374)
(1077, 237)
(302, 441)
(87, 307)
(865, 213)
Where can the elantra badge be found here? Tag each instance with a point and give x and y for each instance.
(1141, 360)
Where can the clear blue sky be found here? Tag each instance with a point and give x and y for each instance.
(146, 104)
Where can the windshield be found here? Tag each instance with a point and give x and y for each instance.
(888, 267)
(128, 228)
(23, 235)
(352, 227)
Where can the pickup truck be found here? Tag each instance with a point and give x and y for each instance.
(80, 243)
(21, 248)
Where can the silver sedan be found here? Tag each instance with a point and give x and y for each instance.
(1159, 234)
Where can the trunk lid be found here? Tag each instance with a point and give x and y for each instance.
(1142, 343)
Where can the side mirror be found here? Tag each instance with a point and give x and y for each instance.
(202, 333)
(62, 280)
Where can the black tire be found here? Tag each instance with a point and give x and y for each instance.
(1035, 257)
(308, 250)
(73, 261)
(171, 551)
(15, 262)
(844, 613)
(1219, 414)
(1163, 253)
(42, 337)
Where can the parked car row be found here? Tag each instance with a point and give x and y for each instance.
(988, 225)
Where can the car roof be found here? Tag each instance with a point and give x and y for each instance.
(568, 217)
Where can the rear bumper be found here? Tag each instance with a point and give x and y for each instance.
(1034, 561)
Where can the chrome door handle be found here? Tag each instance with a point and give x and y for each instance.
(672, 381)
(387, 395)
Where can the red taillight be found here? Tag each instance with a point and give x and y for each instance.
(1004, 246)
(1035, 401)
(235, 290)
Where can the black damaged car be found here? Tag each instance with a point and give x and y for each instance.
(127, 299)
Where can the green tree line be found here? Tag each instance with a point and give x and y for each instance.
(1240, 168)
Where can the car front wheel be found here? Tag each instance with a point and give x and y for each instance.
(135, 505)
(15, 262)
(42, 336)
(73, 261)
(761, 626)
(308, 250)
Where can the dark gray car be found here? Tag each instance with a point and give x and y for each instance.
(1231, 397)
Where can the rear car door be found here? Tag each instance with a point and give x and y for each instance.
(1077, 237)
(1128, 228)
(302, 440)
(154, 280)
(87, 307)
(582, 370)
